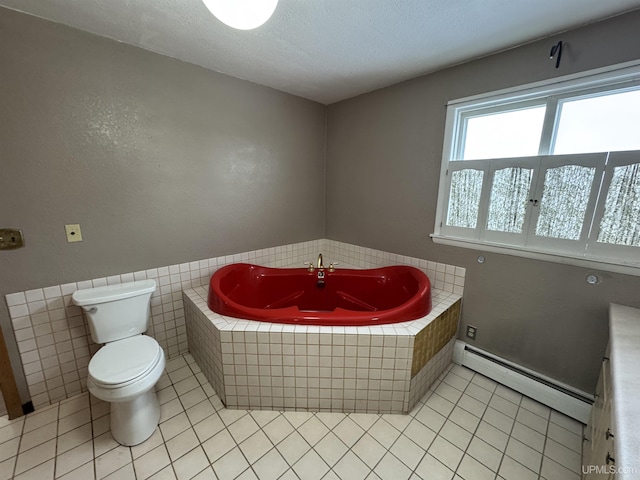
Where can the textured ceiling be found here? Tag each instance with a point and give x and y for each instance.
(328, 50)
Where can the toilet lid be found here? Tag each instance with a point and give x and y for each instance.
(124, 360)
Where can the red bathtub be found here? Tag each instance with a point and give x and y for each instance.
(344, 297)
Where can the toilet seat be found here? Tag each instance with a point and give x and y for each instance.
(125, 361)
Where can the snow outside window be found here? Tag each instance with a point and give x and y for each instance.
(553, 169)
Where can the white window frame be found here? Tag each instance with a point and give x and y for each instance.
(589, 253)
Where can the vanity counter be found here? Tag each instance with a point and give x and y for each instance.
(624, 338)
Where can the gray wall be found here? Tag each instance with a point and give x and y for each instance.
(159, 161)
(163, 162)
(384, 151)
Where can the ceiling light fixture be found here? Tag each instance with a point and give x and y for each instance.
(242, 14)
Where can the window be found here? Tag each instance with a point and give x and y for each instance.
(550, 171)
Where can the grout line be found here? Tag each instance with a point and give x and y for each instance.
(381, 420)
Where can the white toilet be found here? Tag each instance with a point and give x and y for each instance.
(125, 370)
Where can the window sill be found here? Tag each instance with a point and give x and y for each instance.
(598, 264)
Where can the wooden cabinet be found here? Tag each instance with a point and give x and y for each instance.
(598, 456)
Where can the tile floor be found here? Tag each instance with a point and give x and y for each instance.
(468, 427)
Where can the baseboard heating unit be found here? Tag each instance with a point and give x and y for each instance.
(563, 398)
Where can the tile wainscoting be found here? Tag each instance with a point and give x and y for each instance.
(53, 337)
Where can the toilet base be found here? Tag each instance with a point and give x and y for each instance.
(134, 421)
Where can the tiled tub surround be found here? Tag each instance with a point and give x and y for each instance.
(53, 337)
(379, 369)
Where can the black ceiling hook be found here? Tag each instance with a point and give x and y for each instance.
(556, 49)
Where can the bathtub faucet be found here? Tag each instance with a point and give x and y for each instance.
(320, 265)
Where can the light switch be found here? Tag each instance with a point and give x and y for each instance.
(73, 233)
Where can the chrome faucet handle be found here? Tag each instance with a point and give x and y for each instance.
(310, 266)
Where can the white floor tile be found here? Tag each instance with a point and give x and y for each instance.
(72, 439)
(218, 445)
(390, 468)
(369, 450)
(113, 460)
(503, 405)
(446, 452)
(293, 448)
(35, 456)
(430, 418)
(440, 404)
(39, 436)
(311, 466)
(448, 392)
(125, 473)
(554, 471)
(563, 455)
(528, 436)
(331, 419)
(12, 429)
(463, 429)
(512, 470)
(182, 444)
(74, 420)
(492, 435)
(207, 428)
(471, 469)
(456, 381)
(192, 463)
(384, 432)
(408, 452)
(508, 394)
(174, 426)
(278, 429)
(167, 473)
(456, 434)
(478, 393)
(464, 419)
(532, 420)
(431, 469)
(256, 446)
(524, 454)
(40, 418)
(484, 382)
(145, 447)
(151, 462)
(270, 466)
(74, 458)
(535, 407)
(351, 467)
(230, 465)
(499, 420)
(486, 454)
(566, 422)
(85, 472)
(364, 420)
(471, 405)
(43, 471)
(331, 449)
(313, 430)
(348, 431)
(243, 428)
(421, 435)
(565, 437)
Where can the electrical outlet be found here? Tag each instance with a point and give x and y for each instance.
(73, 233)
(471, 332)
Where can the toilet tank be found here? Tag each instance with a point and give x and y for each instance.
(115, 312)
